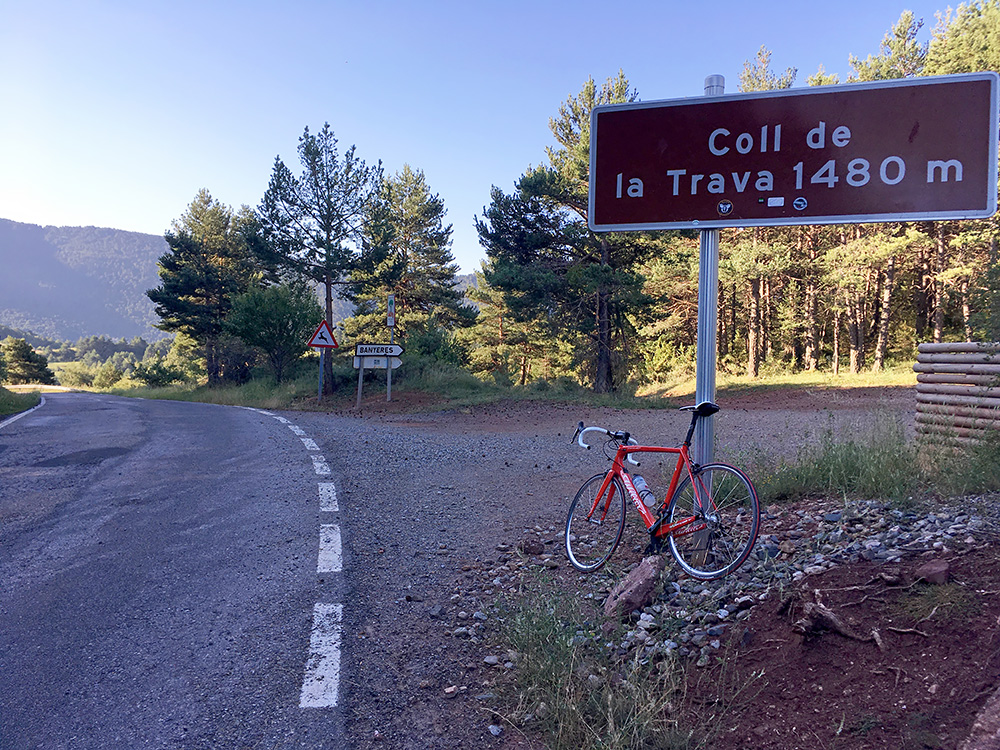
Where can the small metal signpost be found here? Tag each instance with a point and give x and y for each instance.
(322, 339)
(375, 357)
(391, 322)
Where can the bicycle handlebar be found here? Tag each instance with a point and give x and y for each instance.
(620, 436)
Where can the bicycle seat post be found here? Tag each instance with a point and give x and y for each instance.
(690, 433)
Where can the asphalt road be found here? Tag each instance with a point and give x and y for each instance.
(158, 578)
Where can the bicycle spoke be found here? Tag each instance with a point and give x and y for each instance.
(595, 523)
(723, 503)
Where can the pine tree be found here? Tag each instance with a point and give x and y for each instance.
(23, 365)
(408, 246)
(313, 225)
(582, 287)
(208, 264)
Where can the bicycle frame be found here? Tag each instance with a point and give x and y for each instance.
(663, 529)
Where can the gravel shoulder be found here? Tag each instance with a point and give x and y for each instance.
(436, 503)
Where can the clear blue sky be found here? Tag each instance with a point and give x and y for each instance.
(116, 113)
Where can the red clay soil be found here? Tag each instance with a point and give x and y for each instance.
(918, 684)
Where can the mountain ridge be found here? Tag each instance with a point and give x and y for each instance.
(70, 282)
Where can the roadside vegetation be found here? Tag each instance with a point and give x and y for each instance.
(12, 403)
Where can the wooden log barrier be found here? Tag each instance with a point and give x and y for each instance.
(958, 391)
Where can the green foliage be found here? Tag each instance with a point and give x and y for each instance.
(409, 255)
(156, 373)
(579, 287)
(13, 403)
(278, 320)
(23, 365)
(209, 263)
(107, 376)
(506, 350)
(757, 75)
(76, 375)
(901, 55)
(966, 40)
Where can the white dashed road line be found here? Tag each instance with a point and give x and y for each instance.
(319, 464)
(328, 497)
(321, 681)
(330, 556)
(321, 685)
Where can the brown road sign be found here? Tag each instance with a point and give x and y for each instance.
(923, 148)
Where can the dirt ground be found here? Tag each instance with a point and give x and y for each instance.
(918, 684)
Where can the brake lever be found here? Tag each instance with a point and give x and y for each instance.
(576, 434)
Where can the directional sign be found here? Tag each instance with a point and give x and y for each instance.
(377, 363)
(377, 350)
(902, 150)
(323, 337)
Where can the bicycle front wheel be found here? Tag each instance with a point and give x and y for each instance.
(721, 518)
(595, 523)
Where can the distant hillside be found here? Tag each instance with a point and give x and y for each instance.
(69, 282)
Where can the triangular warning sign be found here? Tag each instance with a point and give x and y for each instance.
(323, 337)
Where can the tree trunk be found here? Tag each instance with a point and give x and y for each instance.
(603, 382)
(212, 365)
(327, 359)
(836, 342)
(939, 284)
(966, 310)
(811, 358)
(920, 296)
(855, 338)
(753, 329)
(882, 343)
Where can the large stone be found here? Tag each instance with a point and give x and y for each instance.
(635, 590)
(985, 732)
(935, 571)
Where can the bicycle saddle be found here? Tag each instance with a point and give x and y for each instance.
(704, 409)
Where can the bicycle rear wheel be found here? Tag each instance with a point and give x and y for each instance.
(721, 535)
(595, 523)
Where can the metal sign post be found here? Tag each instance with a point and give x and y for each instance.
(322, 339)
(375, 357)
(708, 320)
(391, 322)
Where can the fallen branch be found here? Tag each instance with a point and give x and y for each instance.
(816, 617)
(908, 630)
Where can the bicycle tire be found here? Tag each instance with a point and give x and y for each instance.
(590, 541)
(718, 542)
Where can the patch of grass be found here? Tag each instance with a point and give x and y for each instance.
(727, 384)
(963, 470)
(863, 725)
(876, 462)
(260, 393)
(927, 601)
(570, 688)
(880, 462)
(13, 403)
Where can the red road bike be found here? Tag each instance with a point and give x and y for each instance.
(708, 518)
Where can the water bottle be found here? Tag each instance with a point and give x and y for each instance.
(648, 498)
